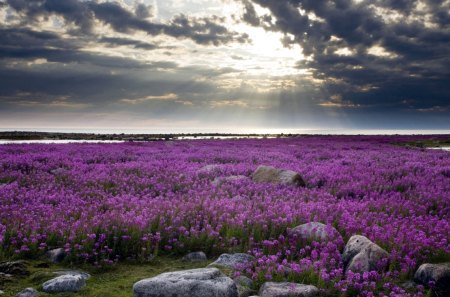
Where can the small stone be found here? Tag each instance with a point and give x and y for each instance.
(195, 257)
(210, 168)
(437, 273)
(58, 171)
(28, 292)
(269, 174)
(233, 261)
(64, 283)
(271, 289)
(203, 282)
(56, 255)
(224, 179)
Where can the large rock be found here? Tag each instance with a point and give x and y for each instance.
(14, 268)
(203, 282)
(195, 257)
(285, 289)
(314, 231)
(269, 174)
(437, 273)
(224, 179)
(233, 261)
(64, 283)
(56, 255)
(361, 255)
(28, 292)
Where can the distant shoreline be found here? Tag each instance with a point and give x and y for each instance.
(114, 137)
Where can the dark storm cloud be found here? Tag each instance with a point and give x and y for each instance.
(83, 14)
(417, 70)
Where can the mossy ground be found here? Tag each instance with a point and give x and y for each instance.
(114, 281)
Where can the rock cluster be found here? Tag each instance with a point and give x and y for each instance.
(361, 255)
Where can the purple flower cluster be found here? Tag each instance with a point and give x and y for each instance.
(107, 202)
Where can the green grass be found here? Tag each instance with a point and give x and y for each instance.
(427, 143)
(114, 281)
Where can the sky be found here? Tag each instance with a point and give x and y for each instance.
(225, 65)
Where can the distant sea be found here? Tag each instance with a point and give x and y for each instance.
(235, 131)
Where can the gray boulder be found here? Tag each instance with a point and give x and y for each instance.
(28, 292)
(210, 168)
(195, 257)
(437, 273)
(285, 289)
(224, 179)
(314, 231)
(203, 282)
(269, 174)
(361, 255)
(1, 292)
(56, 255)
(64, 283)
(233, 261)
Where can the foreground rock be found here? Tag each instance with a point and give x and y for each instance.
(203, 282)
(233, 261)
(56, 255)
(28, 292)
(195, 257)
(269, 174)
(224, 179)
(65, 283)
(361, 255)
(437, 273)
(14, 268)
(271, 289)
(314, 231)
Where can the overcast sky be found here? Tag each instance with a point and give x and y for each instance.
(191, 65)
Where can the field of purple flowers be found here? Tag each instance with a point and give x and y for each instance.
(110, 202)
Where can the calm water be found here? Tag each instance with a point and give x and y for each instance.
(238, 131)
(5, 141)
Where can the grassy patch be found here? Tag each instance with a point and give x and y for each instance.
(114, 281)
